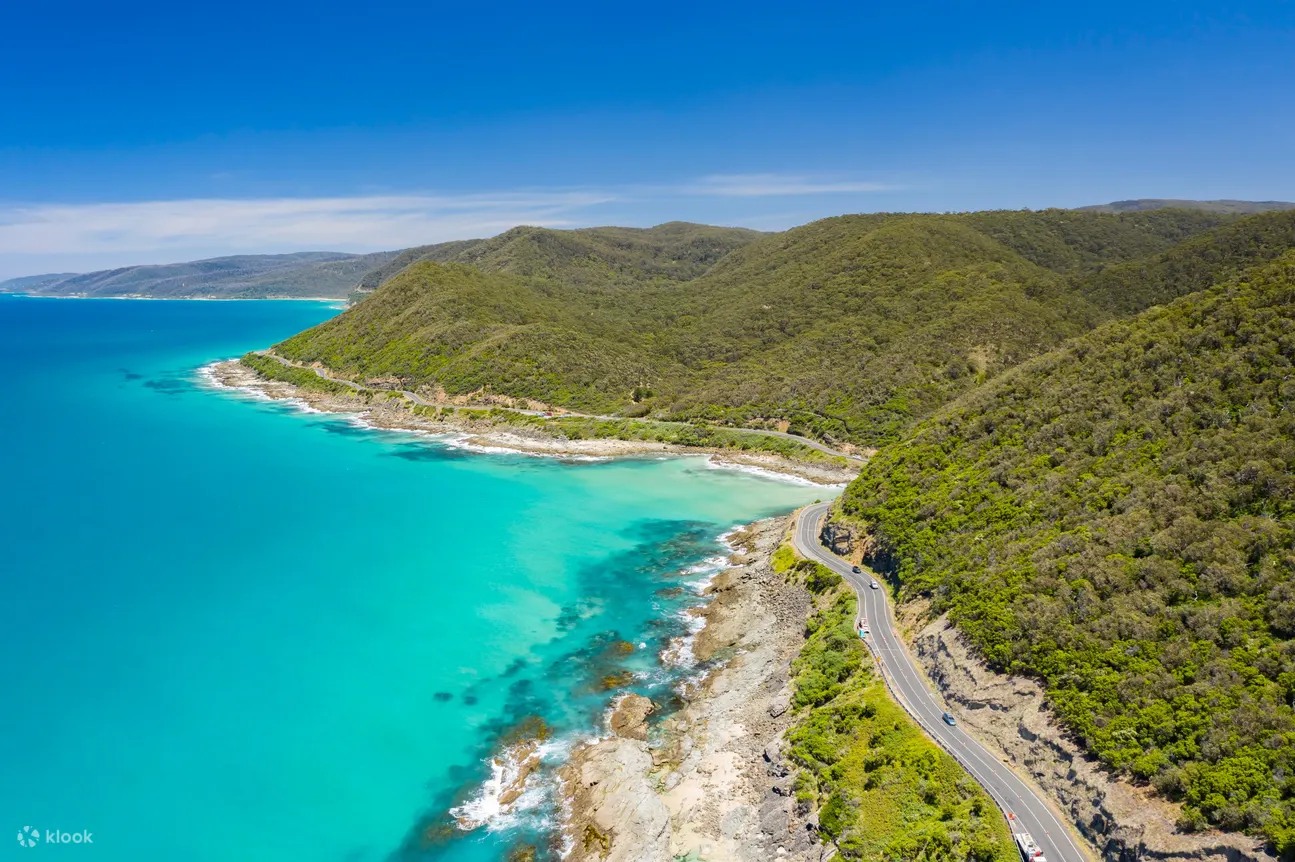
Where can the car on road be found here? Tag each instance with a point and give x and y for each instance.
(874, 585)
(856, 569)
(949, 719)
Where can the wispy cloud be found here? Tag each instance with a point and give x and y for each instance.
(38, 236)
(356, 222)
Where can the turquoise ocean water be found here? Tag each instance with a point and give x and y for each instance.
(232, 631)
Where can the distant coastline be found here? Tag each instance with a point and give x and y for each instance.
(469, 431)
(340, 303)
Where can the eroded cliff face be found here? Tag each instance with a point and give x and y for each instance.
(710, 782)
(1009, 713)
(839, 538)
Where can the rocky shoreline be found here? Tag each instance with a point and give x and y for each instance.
(709, 782)
(479, 435)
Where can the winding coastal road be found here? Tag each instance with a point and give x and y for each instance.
(1026, 810)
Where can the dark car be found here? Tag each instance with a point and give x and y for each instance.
(856, 569)
(949, 719)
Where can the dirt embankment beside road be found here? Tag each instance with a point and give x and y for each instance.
(1009, 714)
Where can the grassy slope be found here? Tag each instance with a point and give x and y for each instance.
(882, 789)
(850, 328)
(1118, 517)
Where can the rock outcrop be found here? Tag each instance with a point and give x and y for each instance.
(839, 537)
(711, 781)
(629, 716)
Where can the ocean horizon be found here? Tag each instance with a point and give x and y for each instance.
(240, 630)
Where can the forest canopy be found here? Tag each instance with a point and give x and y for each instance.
(849, 329)
(1118, 518)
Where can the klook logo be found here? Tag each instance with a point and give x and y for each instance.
(29, 837)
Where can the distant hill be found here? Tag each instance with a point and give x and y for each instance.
(1222, 206)
(604, 256)
(323, 274)
(848, 329)
(1192, 265)
(33, 283)
(1117, 517)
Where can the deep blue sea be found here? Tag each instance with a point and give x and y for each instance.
(235, 631)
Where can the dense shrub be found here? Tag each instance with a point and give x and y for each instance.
(883, 790)
(1118, 517)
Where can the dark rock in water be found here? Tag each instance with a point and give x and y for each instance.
(470, 699)
(168, 386)
(443, 696)
(669, 592)
(618, 679)
(522, 853)
(418, 452)
(436, 834)
(532, 727)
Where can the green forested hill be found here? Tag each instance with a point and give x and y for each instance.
(849, 329)
(1190, 266)
(853, 327)
(1118, 517)
(460, 329)
(1070, 241)
(588, 257)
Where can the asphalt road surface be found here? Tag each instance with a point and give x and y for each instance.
(1025, 809)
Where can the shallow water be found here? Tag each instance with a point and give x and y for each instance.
(233, 631)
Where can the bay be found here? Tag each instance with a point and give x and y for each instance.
(234, 631)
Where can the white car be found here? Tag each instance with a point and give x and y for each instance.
(874, 585)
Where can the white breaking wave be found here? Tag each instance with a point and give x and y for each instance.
(708, 568)
(678, 653)
(461, 441)
(716, 463)
(487, 807)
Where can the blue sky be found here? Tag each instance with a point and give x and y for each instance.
(134, 133)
